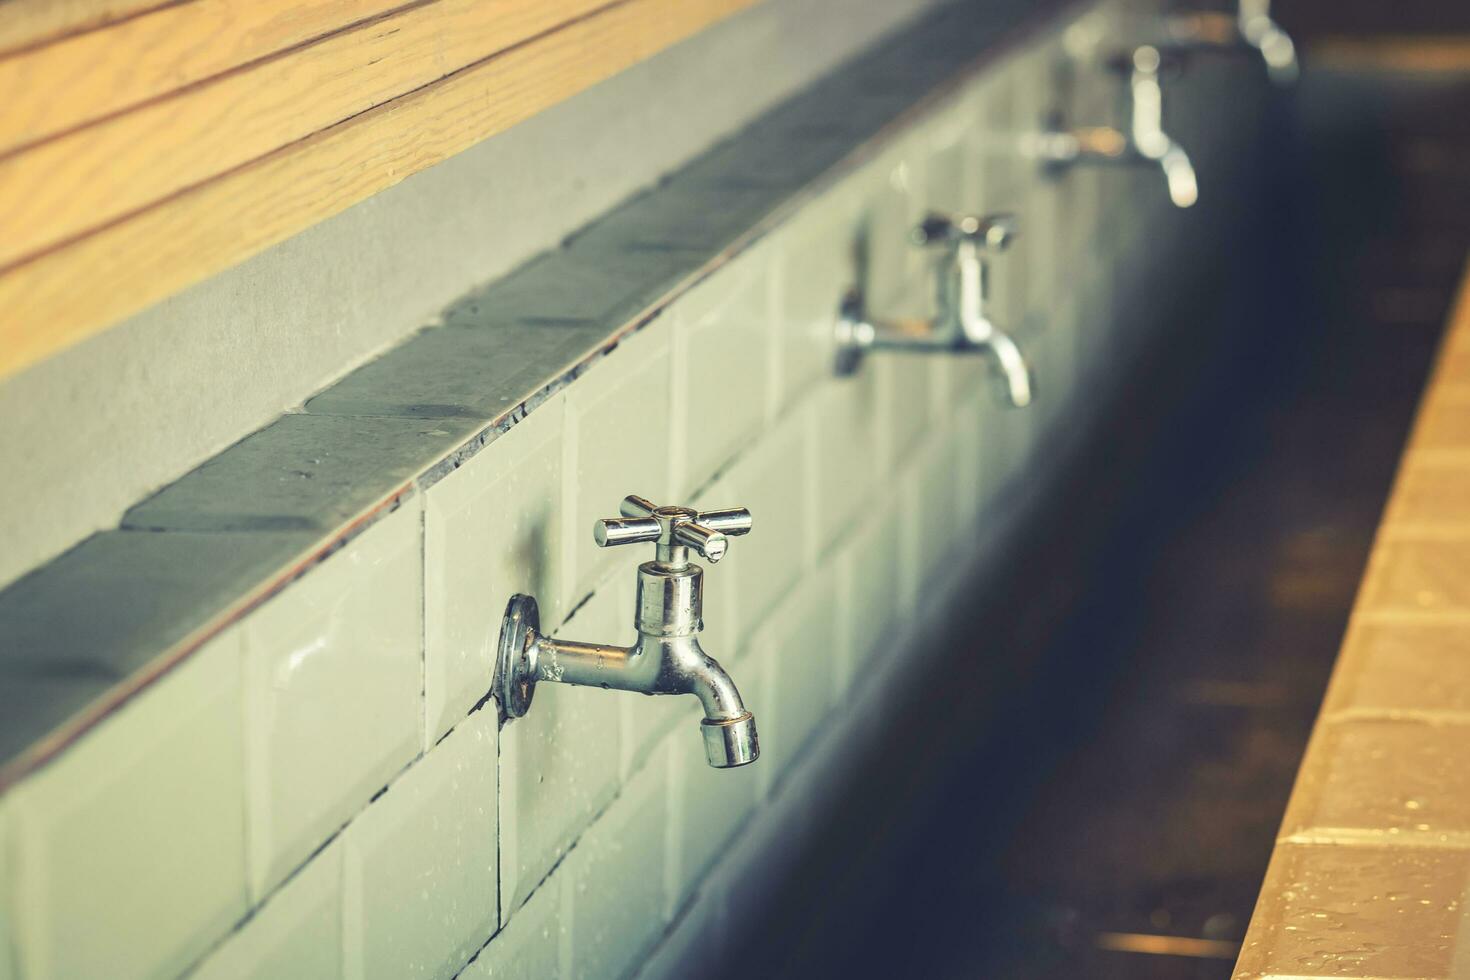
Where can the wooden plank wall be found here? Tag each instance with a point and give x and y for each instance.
(145, 146)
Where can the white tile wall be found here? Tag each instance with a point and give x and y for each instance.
(7, 918)
(794, 654)
(932, 472)
(1004, 174)
(420, 864)
(693, 946)
(491, 529)
(760, 861)
(812, 268)
(850, 455)
(617, 443)
(971, 491)
(894, 203)
(872, 597)
(722, 338)
(772, 480)
(333, 668)
(536, 945)
(951, 177)
(115, 878)
(906, 382)
(560, 764)
(707, 807)
(297, 933)
(614, 879)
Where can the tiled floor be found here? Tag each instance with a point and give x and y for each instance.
(1156, 662)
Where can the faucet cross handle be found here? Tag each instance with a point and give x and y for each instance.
(992, 231)
(673, 529)
(1154, 60)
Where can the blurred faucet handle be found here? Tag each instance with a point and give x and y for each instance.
(1250, 28)
(1153, 61)
(992, 231)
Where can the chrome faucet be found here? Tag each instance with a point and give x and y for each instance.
(962, 324)
(666, 658)
(1144, 141)
(1251, 26)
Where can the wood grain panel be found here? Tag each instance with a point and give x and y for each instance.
(1442, 54)
(86, 76)
(62, 189)
(25, 23)
(72, 292)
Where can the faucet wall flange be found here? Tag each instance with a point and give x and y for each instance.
(854, 334)
(515, 672)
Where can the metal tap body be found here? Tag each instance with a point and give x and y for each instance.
(1251, 28)
(1143, 141)
(962, 324)
(666, 658)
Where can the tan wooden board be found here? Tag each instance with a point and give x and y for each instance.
(92, 74)
(1371, 863)
(72, 273)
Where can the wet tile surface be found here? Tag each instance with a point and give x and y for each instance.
(302, 473)
(104, 849)
(1445, 423)
(1402, 780)
(332, 671)
(491, 530)
(420, 865)
(1404, 667)
(1430, 494)
(1428, 576)
(1384, 913)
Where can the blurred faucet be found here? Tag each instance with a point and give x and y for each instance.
(1144, 141)
(962, 323)
(1251, 27)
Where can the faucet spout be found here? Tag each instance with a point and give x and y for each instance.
(1149, 138)
(1180, 177)
(1015, 373)
(659, 665)
(1267, 37)
(729, 731)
